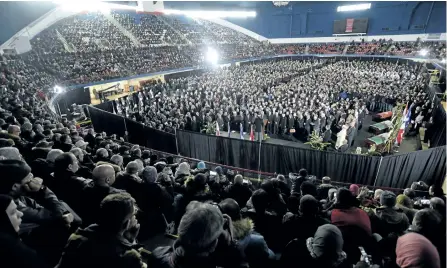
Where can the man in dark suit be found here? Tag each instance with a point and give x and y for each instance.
(276, 120)
(258, 127)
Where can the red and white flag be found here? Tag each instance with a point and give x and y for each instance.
(252, 134)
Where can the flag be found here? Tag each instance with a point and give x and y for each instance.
(405, 121)
(252, 135)
(229, 130)
(241, 131)
(217, 129)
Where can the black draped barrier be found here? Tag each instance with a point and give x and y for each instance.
(338, 166)
(107, 122)
(439, 118)
(221, 150)
(399, 171)
(151, 138)
(106, 106)
(137, 132)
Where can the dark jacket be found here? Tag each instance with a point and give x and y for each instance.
(92, 247)
(131, 184)
(41, 209)
(181, 201)
(68, 187)
(14, 253)
(299, 226)
(389, 220)
(322, 191)
(92, 196)
(266, 224)
(239, 192)
(296, 184)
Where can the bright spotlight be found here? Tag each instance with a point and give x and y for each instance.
(423, 52)
(212, 56)
(57, 89)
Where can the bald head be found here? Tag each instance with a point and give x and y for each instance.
(103, 175)
(53, 154)
(14, 130)
(78, 153)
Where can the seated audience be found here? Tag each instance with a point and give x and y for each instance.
(239, 191)
(110, 242)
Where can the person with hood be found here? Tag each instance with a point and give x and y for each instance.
(196, 190)
(414, 250)
(182, 173)
(201, 168)
(388, 218)
(205, 240)
(239, 191)
(103, 178)
(156, 207)
(322, 250)
(305, 223)
(13, 252)
(253, 247)
(110, 242)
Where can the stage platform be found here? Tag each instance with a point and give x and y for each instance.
(409, 144)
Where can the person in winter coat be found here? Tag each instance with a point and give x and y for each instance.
(388, 218)
(239, 191)
(322, 250)
(414, 250)
(103, 178)
(253, 247)
(108, 243)
(182, 173)
(204, 240)
(304, 224)
(156, 206)
(196, 190)
(13, 252)
(266, 222)
(130, 182)
(298, 180)
(67, 185)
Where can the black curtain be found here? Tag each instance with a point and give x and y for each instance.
(221, 150)
(338, 166)
(107, 122)
(105, 106)
(399, 171)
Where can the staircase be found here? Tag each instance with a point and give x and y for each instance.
(345, 49)
(160, 18)
(123, 30)
(67, 47)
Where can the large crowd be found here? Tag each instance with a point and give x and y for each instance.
(70, 197)
(283, 98)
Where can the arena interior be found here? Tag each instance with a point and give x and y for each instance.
(188, 134)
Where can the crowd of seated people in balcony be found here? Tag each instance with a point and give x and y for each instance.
(331, 48)
(75, 198)
(291, 48)
(368, 48)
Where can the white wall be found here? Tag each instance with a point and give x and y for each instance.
(341, 39)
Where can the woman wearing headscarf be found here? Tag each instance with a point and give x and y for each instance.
(415, 251)
(13, 252)
(404, 203)
(324, 249)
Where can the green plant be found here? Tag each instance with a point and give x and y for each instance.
(210, 128)
(316, 142)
